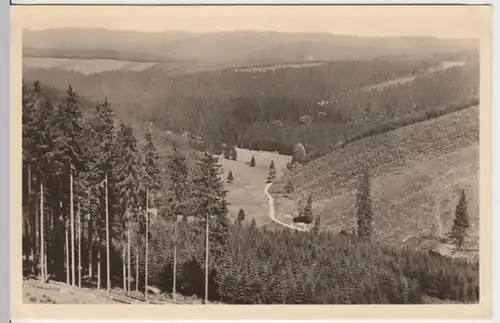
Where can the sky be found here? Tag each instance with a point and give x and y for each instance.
(391, 21)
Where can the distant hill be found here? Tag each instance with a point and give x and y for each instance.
(417, 172)
(239, 47)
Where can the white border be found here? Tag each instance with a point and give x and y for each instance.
(4, 119)
(255, 2)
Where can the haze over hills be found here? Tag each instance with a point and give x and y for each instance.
(233, 48)
(237, 105)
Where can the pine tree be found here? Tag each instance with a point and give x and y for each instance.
(127, 173)
(234, 154)
(226, 151)
(210, 198)
(103, 135)
(241, 215)
(230, 177)
(289, 188)
(306, 212)
(42, 153)
(178, 199)
(68, 156)
(461, 222)
(90, 186)
(211, 208)
(271, 177)
(29, 140)
(317, 224)
(299, 154)
(253, 225)
(252, 161)
(364, 206)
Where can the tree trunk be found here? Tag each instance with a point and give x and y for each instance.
(174, 284)
(79, 237)
(137, 265)
(72, 228)
(124, 265)
(99, 263)
(66, 235)
(108, 279)
(45, 261)
(42, 246)
(32, 218)
(146, 252)
(36, 261)
(90, 241)
(206, 261)
(129, 273)
(37, 241)
(58, 239)
(49, 245)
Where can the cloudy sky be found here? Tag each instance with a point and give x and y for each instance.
(440, 21)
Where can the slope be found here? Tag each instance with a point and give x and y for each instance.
(53, 292)
(262, 110)
(416, 173)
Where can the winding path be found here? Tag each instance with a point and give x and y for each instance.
(272, 214)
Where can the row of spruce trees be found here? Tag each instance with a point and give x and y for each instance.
(99, 208)
(90, 188)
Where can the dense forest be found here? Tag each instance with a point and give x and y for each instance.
(102, 207)
(319, 106)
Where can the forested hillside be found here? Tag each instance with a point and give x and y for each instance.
(319, 106)
(93, 53)
(100, 207)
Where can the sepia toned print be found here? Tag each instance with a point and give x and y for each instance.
(254, 162)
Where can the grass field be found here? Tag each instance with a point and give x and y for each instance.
(417, 172)
(247, 189)
(85, 66)
(38, 292)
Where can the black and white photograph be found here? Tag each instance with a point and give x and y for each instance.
(251, 155)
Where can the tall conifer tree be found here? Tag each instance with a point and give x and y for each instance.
(151, 173)
(364, 206)
(103, 132)
(211, 207)
(461, 222)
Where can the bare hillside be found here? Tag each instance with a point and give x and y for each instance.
(416, 173)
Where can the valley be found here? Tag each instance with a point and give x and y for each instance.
(244, 144)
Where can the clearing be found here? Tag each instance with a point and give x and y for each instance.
(416, 174)
(247, 189)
